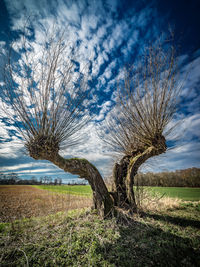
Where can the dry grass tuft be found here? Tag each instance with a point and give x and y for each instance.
(147, 201)
(161, 204)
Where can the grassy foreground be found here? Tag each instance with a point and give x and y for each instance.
(166, 232)
(170, 238)
(184, 193)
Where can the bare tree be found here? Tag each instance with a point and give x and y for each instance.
(137, 127)
(46, 98)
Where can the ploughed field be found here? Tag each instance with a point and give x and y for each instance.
(24, 201)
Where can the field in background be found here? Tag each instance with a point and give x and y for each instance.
(184, 193)
(20, 201)
(80, 190)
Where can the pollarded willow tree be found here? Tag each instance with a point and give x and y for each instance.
(137, 127)
(45, 95)
(47, 99)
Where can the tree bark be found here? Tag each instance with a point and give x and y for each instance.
(123, 178)
(101, 197)
(135, 163)
(119, 182)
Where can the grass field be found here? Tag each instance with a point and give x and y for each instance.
(184, 193)
(168, 235)
(191, 194)
(84, 190)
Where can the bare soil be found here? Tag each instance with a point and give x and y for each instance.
(21, 201)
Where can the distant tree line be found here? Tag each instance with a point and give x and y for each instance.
(180, 178)
(14, 179)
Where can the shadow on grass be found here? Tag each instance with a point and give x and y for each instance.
(174, 220)
(89, 241)
(141, 244)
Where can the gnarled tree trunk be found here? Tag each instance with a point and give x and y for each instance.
(134, 164)
(119, 183)
(123, 177)
(101, 197)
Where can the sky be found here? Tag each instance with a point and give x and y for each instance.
(110, 34)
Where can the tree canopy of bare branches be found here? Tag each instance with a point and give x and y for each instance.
(146, 102)
(48, 100)
(45, 93)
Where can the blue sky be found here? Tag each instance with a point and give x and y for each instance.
(111, 34)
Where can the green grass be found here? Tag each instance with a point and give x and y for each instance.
(83, 239)
(184, 193)
(187, 194)
(83, 190)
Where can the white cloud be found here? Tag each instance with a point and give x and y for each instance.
(131, 42)
(25, 166)
(3, 131)
(33, 171)
(105, 107)
(11, 149)
(182, 157)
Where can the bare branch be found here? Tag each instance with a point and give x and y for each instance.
(45, 92)
(146, 102)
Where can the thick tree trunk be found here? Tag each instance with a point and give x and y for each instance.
(119, 183)
(135, 163)
(123, 185)
(123, 178)
(101, 197)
